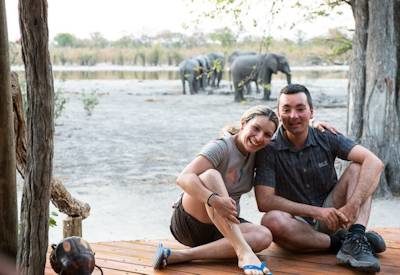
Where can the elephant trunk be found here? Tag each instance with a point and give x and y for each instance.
(289, 78)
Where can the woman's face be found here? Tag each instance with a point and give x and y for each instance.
(256, 133)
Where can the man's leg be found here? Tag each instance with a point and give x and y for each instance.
(356, 251)
(344, 190)
(293, 234)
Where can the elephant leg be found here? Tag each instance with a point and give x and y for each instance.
(213, 77)
(267, 87)
(183, 86)
(267, 91)
(248, 88)
(238, 92)
(219, 77)
(204, 80)
(257, 88)
(196, 85)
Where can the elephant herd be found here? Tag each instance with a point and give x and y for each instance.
(244, 67)
(201, 71)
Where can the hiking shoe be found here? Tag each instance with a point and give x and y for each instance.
(376, 241)
(357, 252)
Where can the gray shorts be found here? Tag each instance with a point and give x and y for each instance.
(191, 232)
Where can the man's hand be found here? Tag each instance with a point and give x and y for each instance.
(322, 126)
(351, 212)
(332, 218)
(225, 207)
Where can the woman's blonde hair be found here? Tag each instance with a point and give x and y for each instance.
(259, 110)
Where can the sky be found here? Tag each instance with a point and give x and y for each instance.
(117, 18)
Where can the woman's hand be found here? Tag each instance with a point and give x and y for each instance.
(322, 126)
(225, 207)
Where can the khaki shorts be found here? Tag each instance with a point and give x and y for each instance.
(317, 225)
(189, 231)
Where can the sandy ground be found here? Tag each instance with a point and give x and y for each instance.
(123, 160)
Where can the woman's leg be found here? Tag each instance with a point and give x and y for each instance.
(240, 239)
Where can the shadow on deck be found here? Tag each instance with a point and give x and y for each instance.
(136, 257)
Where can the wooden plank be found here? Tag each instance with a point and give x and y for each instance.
(136, 257)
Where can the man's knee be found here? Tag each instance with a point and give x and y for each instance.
(354, 169)
(276, 221)
(261, 238)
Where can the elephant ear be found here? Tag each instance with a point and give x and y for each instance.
(272, 62)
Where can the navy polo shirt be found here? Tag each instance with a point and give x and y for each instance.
(307, 175)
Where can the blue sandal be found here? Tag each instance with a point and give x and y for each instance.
(260, 267)
(161, 256)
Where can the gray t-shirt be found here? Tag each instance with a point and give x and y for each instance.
(236, 169)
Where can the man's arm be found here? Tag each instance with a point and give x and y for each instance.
(267, 200)
(371, 169)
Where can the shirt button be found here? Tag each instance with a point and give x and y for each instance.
(304, 170)
(307, 185)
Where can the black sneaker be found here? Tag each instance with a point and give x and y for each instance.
(376, 241)
(357, 252)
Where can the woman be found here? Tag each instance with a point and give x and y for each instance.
(206, 217)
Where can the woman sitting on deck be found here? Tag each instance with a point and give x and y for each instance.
(206, 217)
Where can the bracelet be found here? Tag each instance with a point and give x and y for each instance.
(209, 197)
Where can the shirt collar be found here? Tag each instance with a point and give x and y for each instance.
(282, 143)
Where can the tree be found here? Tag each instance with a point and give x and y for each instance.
(224, 36)
(65, 40)
(373, 102)
(33, 240)
(98, 40)
(8, 193)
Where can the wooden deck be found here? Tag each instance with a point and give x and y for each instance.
(135, 257)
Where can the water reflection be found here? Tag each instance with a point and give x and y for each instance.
(141, 75)
(174, 75)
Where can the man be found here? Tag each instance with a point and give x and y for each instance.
(297, 187)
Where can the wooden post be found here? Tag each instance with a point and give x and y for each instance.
(8, 190)
(72, 226)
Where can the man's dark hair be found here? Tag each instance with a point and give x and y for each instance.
(294, 89)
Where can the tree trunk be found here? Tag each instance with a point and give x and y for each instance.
(60, 196)
(8, 193)
(36, 192)
(357, 71)
(379, 128)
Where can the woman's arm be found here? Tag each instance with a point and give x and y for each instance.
(189, 179)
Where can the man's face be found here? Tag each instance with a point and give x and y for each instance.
(294, 112)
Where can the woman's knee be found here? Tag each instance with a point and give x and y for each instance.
(211, 177)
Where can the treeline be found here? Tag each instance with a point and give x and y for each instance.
(169, 48)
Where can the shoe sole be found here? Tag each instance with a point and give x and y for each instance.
(362, 266)
(377, 242)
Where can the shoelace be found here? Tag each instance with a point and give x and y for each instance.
(360, 244)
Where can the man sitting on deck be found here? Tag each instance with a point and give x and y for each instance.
(306, 206)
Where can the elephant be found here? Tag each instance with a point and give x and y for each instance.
(217, 64)
(204, 65)
(232, 58)
(257, 68)
(190, 71)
